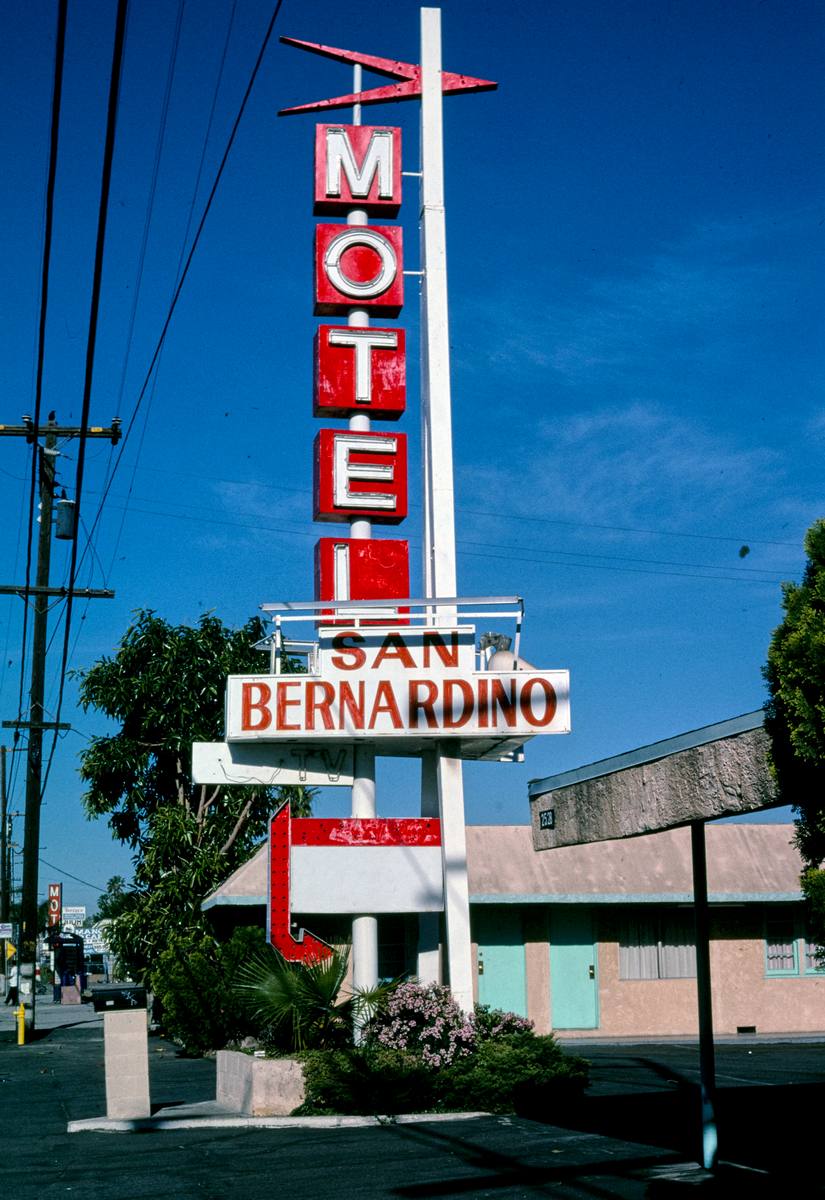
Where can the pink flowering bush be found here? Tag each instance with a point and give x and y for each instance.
(490, 1024)
(421, 1054)
(425, 1020)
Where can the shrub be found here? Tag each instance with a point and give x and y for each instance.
(303, 1006)
(368, 1080)
(193, 983)
(519, 1072)
(491, 1023)
(295, 1006)
(425, 1020)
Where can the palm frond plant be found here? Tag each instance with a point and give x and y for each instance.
(303, 1006)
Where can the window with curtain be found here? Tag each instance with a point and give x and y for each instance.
(657, 946)
(812, 959)
(789, 949)
(780, 946)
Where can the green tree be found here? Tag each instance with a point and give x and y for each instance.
(795, 717)
(164, 687)
(117, 899)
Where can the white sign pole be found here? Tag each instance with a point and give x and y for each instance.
(364, 928)
(438, 499)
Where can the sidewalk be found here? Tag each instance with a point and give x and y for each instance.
(191, 1149)
(49, 1015)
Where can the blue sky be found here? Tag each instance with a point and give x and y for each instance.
(635, 253)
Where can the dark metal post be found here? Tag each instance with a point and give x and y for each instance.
(707, 1064)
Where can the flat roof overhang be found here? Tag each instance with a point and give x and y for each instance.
(717, 771)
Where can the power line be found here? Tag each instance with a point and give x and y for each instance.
(501, 514)
(185, 272)
(69, 875)
(548, 562)
(509, 556)
(651, 562)
(54, 132)
(184, 241)
(164, 330)
(150, 200)
(91, 341)
(711, 537)
(147, 222)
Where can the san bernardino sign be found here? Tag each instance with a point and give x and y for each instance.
(391, 683)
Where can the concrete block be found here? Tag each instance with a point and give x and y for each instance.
(126, 1057)
(259, 1087)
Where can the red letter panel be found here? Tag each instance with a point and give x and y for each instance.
(357, 166)
(360, 370)
(359, 266)
(362, 569)
(360, 475)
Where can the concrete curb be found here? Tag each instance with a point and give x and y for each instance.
(206, 1116)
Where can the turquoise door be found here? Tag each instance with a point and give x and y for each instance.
(502, 981)
(574, 985)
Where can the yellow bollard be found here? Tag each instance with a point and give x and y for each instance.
(21, 1025)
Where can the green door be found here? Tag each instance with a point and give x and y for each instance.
(574, 985)
(502, 981)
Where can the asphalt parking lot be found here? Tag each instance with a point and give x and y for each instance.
(634, 1134)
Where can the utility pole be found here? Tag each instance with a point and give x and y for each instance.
(41, 592)
(5, 882)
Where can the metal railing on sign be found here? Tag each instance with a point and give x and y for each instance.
(429, 612)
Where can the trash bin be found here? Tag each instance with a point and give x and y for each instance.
(118, 997)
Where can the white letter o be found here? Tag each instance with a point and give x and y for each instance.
(353, 287)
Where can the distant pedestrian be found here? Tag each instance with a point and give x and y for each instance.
(14, 983)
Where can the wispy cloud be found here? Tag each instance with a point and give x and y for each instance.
(625, 465)
(696, 300)
(256, 501)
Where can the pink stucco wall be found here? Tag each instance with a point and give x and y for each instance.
(742, 994)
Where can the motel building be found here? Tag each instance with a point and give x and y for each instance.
(596, 940)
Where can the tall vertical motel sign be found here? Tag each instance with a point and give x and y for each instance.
(360, 375)
(377, 682)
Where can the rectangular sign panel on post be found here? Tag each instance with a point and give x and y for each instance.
(393, 683)
(360, 371)
(359, 265)
(375, 879)
(271, 766)
(362, 569)
(55, 904)
(357, 166)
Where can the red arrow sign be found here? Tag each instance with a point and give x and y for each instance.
(286, 832)
(410, 73)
